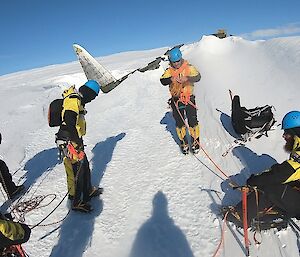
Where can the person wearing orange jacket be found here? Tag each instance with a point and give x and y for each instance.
(180, 77)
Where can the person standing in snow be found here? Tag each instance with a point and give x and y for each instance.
(279, 187)
(9, 186)
(72, 130)
(180, 77)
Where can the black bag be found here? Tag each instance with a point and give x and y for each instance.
(256, 120)
(54, 113)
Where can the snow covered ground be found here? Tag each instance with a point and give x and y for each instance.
(156, 202)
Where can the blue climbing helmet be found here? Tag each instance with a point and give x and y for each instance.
(175, 55)
(291, 120)
(92, 84)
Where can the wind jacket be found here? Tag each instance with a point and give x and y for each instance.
(73, 115)
(287, 172)
(11, 230)
(187, 70)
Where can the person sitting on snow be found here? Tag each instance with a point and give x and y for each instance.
(73, 128)
(275, 193)
(9, 186)
(180, 77)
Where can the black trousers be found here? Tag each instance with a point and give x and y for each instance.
(285, 197)
(184, 111)
(6, 178)
(83, 187)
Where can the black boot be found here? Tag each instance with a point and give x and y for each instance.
(16, 191)
(82, 207)
(195, 146)
(184, 147)
(96, 191)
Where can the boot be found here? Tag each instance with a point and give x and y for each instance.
(232, 215)
(267, 223)
(184, 145)
(195, 140)
(16, 191)
(82, 207)
(195, 146)
(96, 191)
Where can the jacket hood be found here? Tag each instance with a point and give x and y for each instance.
(69, 91)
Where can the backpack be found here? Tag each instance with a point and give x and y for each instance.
(54, 113)
(55, 110)
(256, 121)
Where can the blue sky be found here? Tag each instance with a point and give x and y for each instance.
(36, 33)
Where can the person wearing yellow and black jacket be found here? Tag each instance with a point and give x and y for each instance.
(278, 189)
(73, 128)
(180, 77)
(12, 233)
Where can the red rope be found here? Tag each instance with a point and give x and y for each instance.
(219, 169)
(207, 155)
(222, 235)
(245, 219)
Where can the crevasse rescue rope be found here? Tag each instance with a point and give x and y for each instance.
(233, 183)
(222, 234)
(20, 209)
(76, 179)
(201, 147)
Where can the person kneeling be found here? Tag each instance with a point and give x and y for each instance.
(275, 193)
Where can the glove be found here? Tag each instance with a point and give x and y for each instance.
(182, 79)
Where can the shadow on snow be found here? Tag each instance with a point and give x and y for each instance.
(159, 236)
(169, 121)
(253, 164)
(39, 164)
(226, 122)
(77, 229)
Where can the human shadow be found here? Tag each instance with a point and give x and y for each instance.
(253, 164)
(34, 168)
(103, 152)
(169, 121)
(159, 236)
(38, 164)
(77, 229)
(76, 232)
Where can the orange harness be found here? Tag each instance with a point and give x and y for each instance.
(183, 91)
(185, 96)
(73, 154)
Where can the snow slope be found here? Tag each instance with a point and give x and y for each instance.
(156, 202)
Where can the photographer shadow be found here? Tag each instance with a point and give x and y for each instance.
(159, 236)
